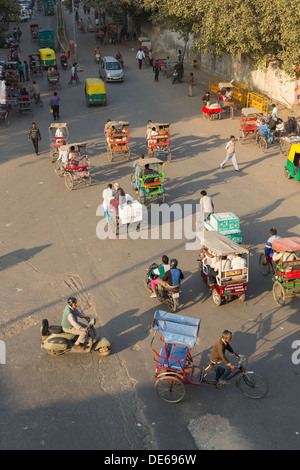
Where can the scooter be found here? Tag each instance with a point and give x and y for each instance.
(169, 297)
(64, 64)
(176, 77)
(56, 342)
(97, 56)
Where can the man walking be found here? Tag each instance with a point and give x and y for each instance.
(35, 135)
(230, 148)
(156, 69)
(206, 207)
(140, 56)
(54, 104)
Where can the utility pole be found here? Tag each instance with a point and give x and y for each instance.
(74, 31)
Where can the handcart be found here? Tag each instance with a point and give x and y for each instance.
(35, 65)
(127, 211)
(212, 112)
(24, 102)
(175, 366)
(158, 141)
(77, 166)
(58, 136)
(117, 140)
(248, 124)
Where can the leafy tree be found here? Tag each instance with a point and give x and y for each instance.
(10, 11)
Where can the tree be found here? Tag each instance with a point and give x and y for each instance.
(10, 11)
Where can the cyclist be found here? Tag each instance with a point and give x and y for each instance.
(269, 252)
(218, 359)
(263, 129)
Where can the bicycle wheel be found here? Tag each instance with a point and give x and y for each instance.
(170, 389)
(265, 267)
(252, 385)
(263, 145)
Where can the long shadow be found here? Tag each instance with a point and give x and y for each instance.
(19, 256)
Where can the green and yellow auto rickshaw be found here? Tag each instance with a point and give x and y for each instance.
(292, 167)
(95, 92)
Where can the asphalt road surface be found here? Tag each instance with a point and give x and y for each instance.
(49, 250)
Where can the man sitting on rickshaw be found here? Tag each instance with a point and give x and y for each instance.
(74, 156)
(162, 131)
(150, 172)
(263, 128)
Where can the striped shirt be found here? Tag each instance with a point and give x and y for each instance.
(34, 133)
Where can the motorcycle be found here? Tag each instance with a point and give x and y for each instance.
(97, 56)
(56, 342)
(64, 64)
(176, 77)
(166, 296)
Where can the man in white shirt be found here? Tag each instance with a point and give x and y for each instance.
(238, 262)
(206, 206)
(230, 148)
(275, 113)
(107, 195)
(140, 56)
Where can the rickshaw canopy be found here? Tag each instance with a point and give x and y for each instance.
(221, 245)
(286, 244)
(68, 146)
(225, 85)
(59, 125)
(251, 111)
(94, 86)
(141, 163)
(295, 149)
(154, 124)
(176, 329)
(117, 123)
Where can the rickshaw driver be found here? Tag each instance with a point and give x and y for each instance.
(218, 359)
(268, 247)
(263, 129)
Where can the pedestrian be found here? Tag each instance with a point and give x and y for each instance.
(26, 68)
(140, 56)
(107, 195)
(73, 75)
(54, 105)
(76, 73)
(230, 148)
(191, 84)
(151, 57)
(35, 135)
(156, 70)
(19, 34)
(21, 72)
(206, 207)
(15, 34)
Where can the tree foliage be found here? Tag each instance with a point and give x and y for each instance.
(264, 31)
(10, 11)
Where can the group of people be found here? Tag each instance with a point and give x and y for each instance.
(267, 126)
(112, 198)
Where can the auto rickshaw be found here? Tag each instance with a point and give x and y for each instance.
(159, 142)
(228, 282)
(148, 179)
(53, 79)
(95, 92)
(287, 273)
(292, 167)
(48, 58)
(118, 137)
(58, 136)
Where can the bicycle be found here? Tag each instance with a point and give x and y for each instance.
(265, 264)
(262, 142)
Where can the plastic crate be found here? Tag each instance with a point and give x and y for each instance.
(223, 221)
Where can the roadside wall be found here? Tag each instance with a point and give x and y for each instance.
(271, 82)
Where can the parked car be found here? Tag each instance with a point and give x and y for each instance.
(110, 69)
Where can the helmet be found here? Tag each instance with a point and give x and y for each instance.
(72, 300)
(173, 263)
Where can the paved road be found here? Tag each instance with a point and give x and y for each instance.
(49, 249)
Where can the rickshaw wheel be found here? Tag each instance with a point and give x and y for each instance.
(284, 148)
(169, 157)
(58, 170)
(141, 197)
(242, 297)
(109, 155)
(265, 267)
(161, 198)
(279, 294)
(287, 174)
(69, 181)
(128, 155)
(88, 180)
(241, 136)
(263, 145)
(217, 299)
(169, 388)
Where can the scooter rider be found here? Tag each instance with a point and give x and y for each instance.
(70, 324)
(171, 278)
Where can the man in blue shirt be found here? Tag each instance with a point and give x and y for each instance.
(171, 278)
(263, 129)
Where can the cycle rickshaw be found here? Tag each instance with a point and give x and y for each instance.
(53, 78)
(73, 164)
(248, 124)
(118, 137)
(175, 367)
(35, 65)
(229, 282)
(287, 272)
(158, 142)
(287, 142)
(148, 180)
(58, 136)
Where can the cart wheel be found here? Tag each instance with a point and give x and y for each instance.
(69, 181)
(113, 223)
(132, 181)
(265, 267)
(58, 169)
(252, 385)
(284, 148)
(88, 180)
(287, 174)
(217, 299)
(279, 294)
(241, 136)
(263, 145)
(7, 121)
(218, 116)
(147, 284)
(169, 156)
(141, 197)
(169, 388)
(161, 198)
(242, 297)
(128, 155)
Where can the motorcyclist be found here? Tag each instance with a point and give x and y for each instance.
(171, 278)
(159, 273)
(179, 69)
(70, 324)
(63, 58)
